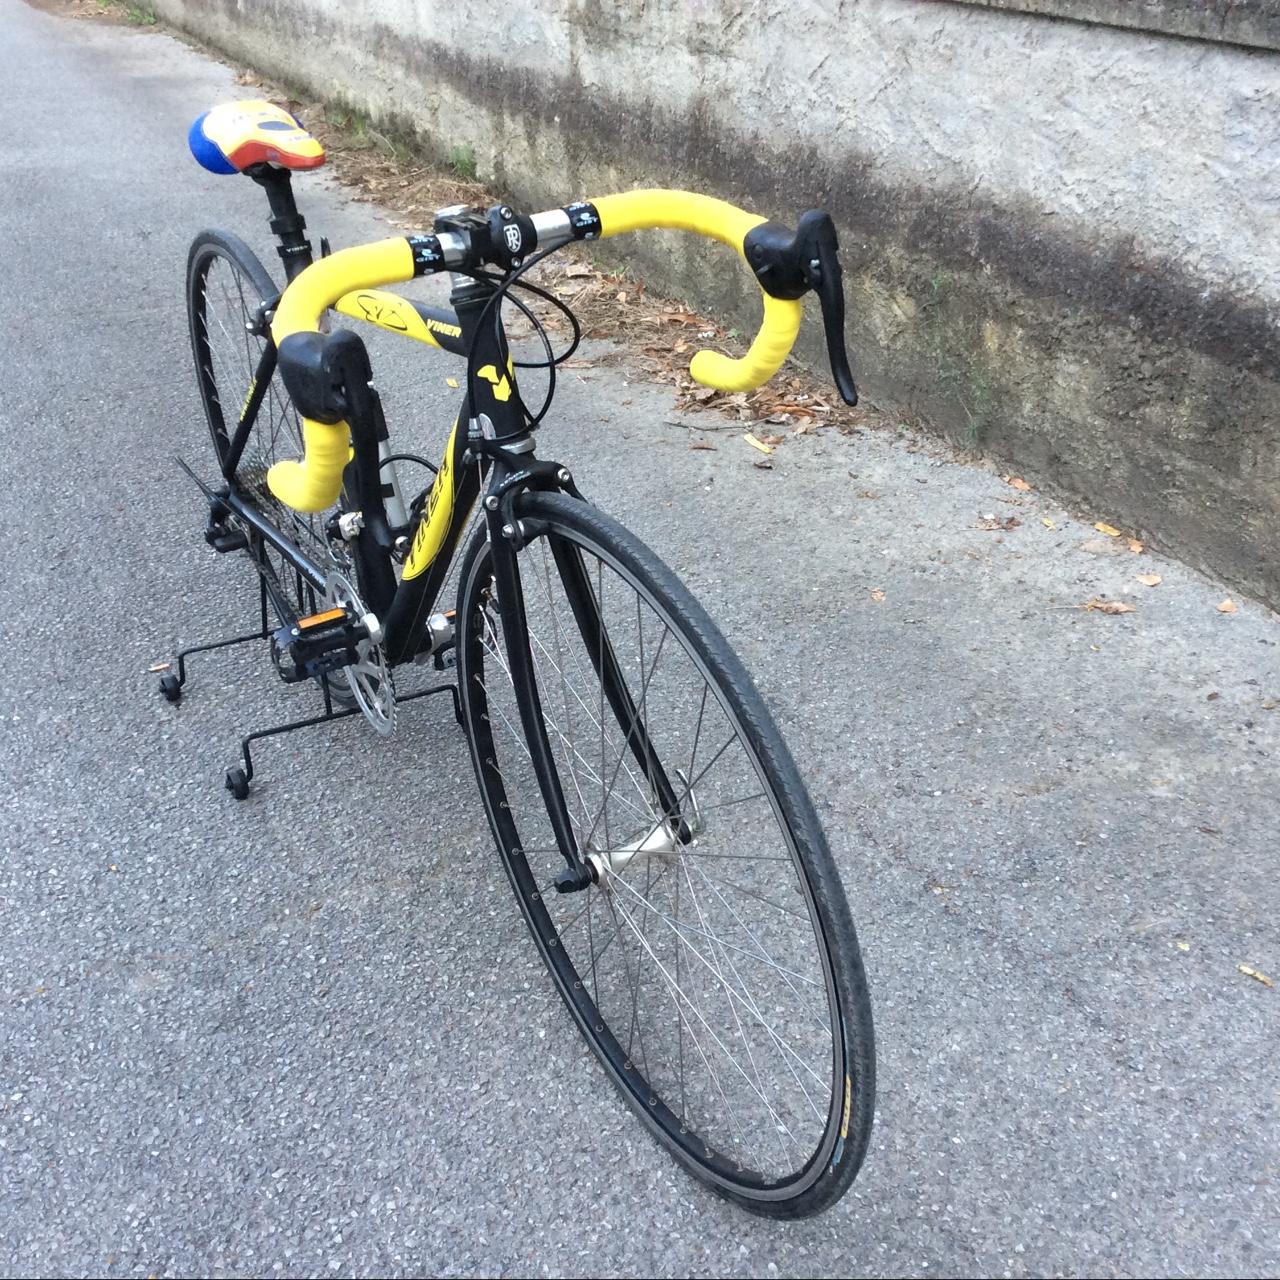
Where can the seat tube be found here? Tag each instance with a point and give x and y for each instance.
(287, 224)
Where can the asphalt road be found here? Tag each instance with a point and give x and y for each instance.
(307, 1034)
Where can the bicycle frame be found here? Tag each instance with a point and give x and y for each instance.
(453, 495)
(494, 448)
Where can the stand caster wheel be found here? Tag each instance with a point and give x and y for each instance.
(238, 783)
(170, 689)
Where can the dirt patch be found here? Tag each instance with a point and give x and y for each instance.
(118, 14)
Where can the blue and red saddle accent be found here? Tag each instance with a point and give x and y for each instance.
(232, 137)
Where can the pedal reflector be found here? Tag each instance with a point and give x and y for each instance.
(320, 619)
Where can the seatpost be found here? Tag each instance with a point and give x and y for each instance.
(286, 222)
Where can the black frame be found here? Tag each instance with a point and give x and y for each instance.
(492, 447)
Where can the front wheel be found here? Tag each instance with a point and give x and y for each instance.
(712, 963)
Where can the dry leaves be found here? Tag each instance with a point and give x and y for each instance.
(136, 16)
(878, 595)
(1017, 483)
(1150, 579)
(1250, 972)
(1098, 605)
(756, 443)
(994, 523)
(1048, 524)
(1112, 532)
(158, 666)
(1228, 606)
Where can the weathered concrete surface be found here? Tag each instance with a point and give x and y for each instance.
(309, 1035)
(1255, 23)
(1052, 256)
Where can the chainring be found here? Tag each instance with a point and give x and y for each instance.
(369, 677)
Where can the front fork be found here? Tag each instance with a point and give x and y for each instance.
(511, 475)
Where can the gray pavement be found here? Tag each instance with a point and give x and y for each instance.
(307, 1034)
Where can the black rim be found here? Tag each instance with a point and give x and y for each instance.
(708, 1158)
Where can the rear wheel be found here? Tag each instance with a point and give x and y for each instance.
(226, 288)
(712, 965)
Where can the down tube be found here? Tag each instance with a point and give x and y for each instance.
(435, 539)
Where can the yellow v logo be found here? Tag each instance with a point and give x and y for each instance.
(501, 387)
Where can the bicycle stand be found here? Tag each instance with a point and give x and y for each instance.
(238, 779)
(171, 685)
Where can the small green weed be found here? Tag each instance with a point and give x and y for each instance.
(462, 160)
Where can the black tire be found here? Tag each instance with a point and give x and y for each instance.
(737, 1159)
(226, 284)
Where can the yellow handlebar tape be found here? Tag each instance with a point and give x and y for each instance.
(679, 210)
(314, 483)
(719, 220)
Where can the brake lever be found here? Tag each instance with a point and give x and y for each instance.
(788, 264)
(819, 253)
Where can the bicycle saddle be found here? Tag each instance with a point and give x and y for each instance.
(237, 135)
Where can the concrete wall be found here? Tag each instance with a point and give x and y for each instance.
(1247, 22)
(1061, 239)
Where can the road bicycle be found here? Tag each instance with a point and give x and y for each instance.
(653, 826)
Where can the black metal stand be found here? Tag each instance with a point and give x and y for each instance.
(237, 779)
(171, 685)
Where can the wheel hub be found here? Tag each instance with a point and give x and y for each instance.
(666, 836)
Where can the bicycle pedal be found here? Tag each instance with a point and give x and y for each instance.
(316, 645)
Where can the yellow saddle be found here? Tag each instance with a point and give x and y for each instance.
(236, 135)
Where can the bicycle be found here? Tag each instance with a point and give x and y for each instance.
(657, 835)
